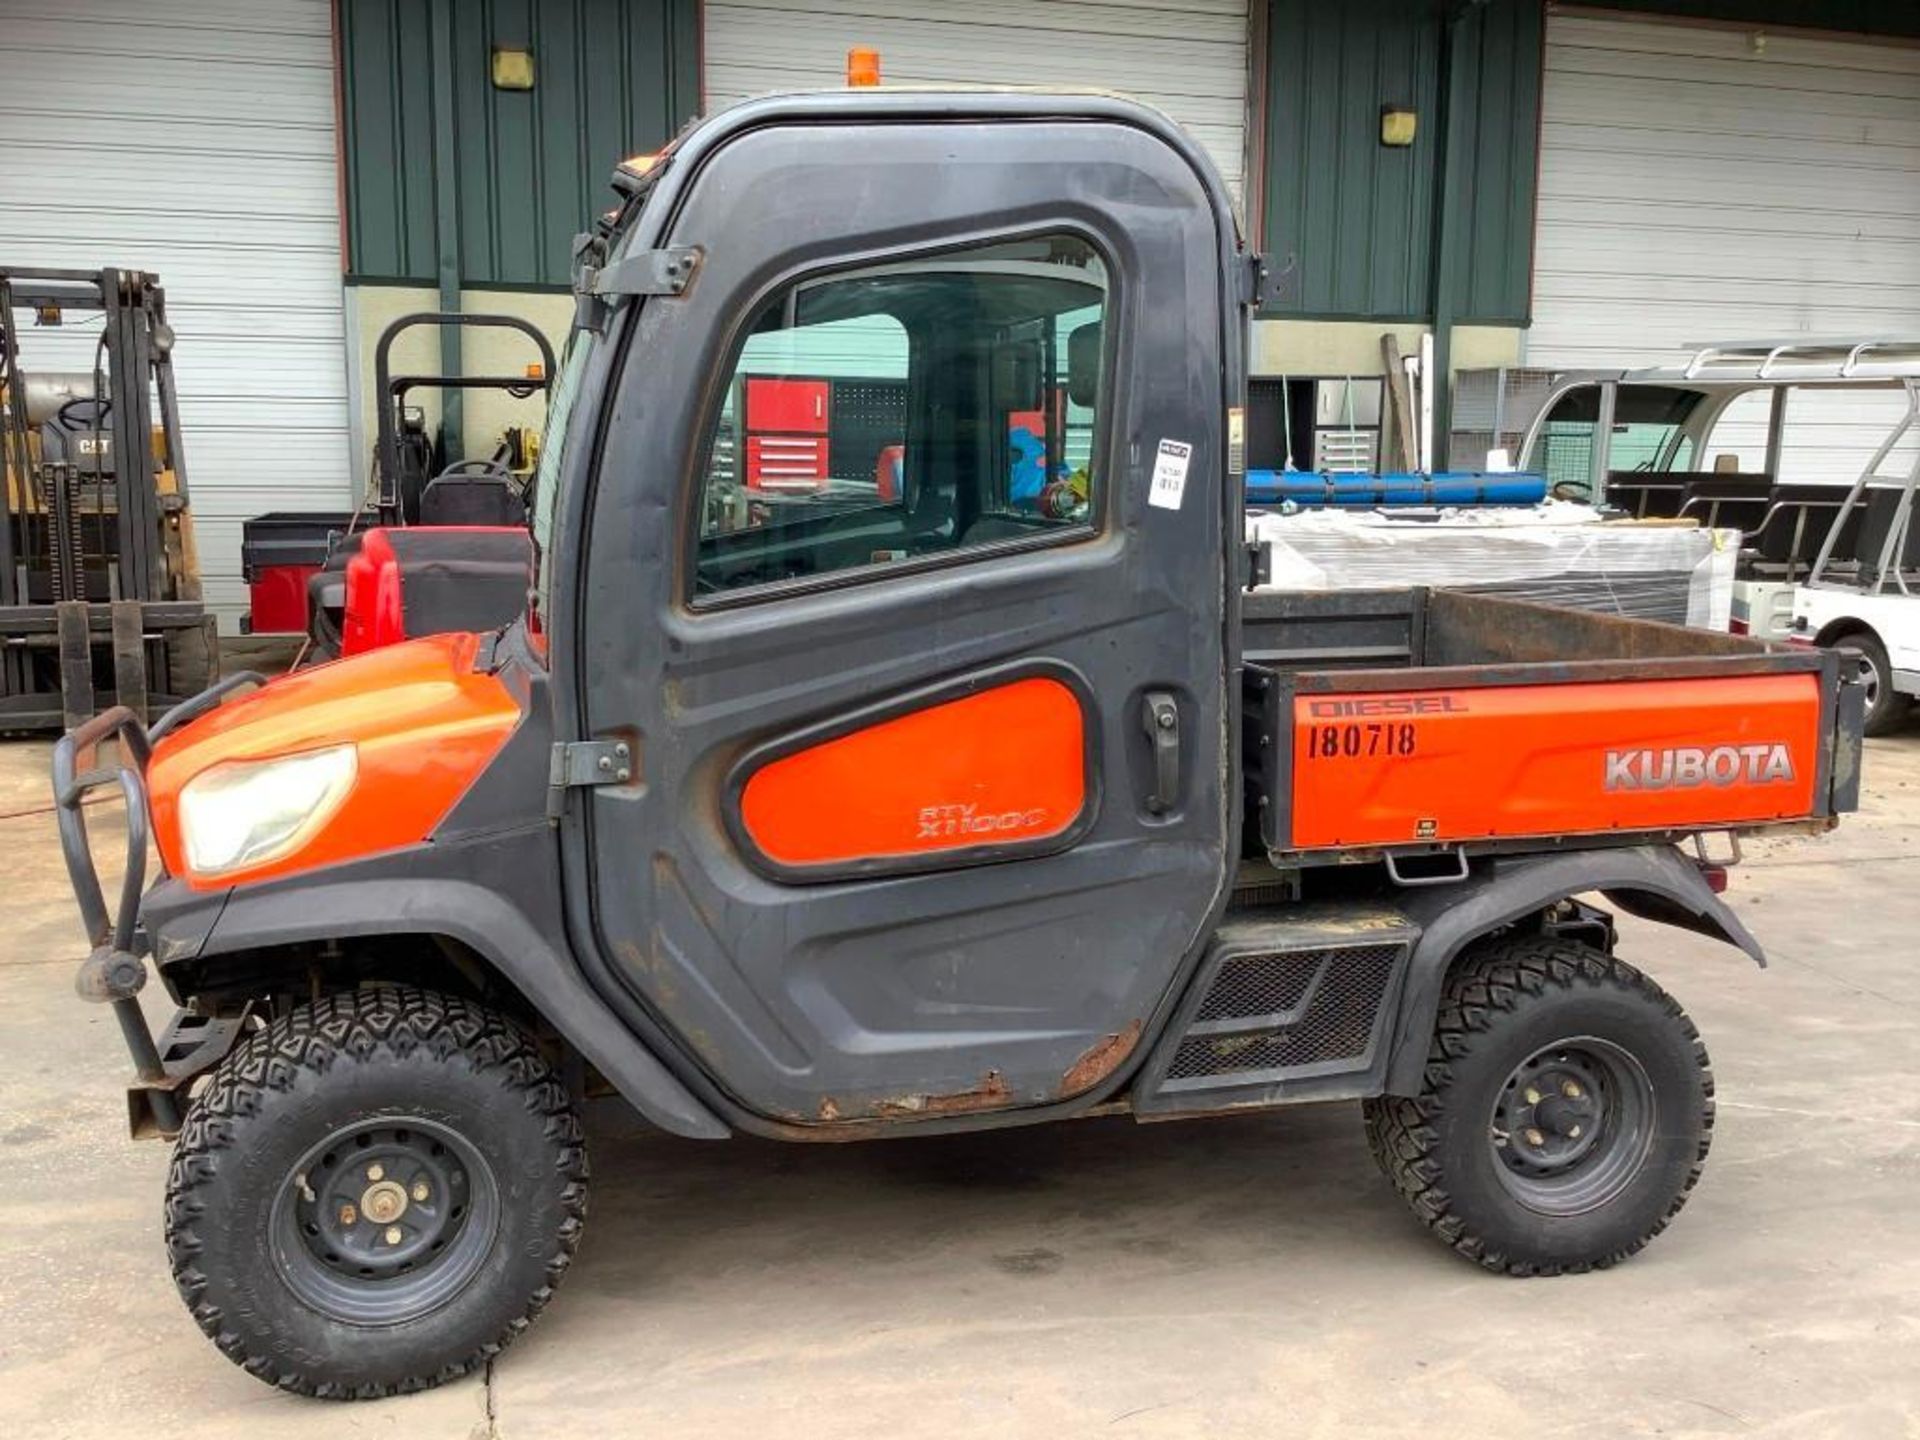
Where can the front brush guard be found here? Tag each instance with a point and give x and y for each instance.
(115, 970)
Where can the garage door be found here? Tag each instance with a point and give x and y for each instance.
(1701, 184)
(195, 140)
(1188, 57)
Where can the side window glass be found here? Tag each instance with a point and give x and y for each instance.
(905, 410)
(1564, 450)
(1649, 436)
(1738, 441)
(1649, 445)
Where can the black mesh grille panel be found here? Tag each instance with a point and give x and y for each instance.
(1337, 1023)
(1259, 985)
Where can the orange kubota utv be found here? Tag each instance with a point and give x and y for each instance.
(892, 745)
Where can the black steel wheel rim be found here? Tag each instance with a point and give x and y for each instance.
(1572, 1126)
(385, 1220)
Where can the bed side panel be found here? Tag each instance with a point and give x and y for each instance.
(1446, 764)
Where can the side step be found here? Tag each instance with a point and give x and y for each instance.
(1292, 1005)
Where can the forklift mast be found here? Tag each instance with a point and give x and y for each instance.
(99, 575)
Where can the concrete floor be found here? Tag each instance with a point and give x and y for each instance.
(1250, 1277)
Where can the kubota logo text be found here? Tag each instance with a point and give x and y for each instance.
(1682, 766)
(941, 822)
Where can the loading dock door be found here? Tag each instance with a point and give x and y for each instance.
(1188, 57)
(196, 140)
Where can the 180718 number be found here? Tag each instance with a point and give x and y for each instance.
(1371, 738)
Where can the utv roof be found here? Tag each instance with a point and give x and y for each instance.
(950, 104)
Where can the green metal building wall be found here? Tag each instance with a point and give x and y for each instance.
(1360, 220)
(529, 168)
(1494, 161)
(386, 112)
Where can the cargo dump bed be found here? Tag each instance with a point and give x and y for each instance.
(1430, 722)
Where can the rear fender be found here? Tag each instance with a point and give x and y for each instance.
(1653, 882)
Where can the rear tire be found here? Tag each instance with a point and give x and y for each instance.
(375, 1193)
(1565, 1114)
(1887, 708)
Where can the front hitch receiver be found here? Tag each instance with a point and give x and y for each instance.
(115, 971)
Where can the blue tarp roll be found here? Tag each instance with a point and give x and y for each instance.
(1308, 487)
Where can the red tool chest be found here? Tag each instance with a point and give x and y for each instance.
(787, 433)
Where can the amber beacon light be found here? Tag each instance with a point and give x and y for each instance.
(863, 67)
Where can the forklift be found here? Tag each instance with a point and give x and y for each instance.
(99, 577)
(920, 801)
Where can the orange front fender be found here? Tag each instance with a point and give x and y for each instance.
(425, 724)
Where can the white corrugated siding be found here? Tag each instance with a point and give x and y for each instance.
(1695, 187)
(1187, 57)
(196, 140)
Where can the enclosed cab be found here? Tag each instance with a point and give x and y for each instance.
(927, 770)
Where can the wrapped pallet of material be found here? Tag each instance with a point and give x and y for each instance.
(1558, 553)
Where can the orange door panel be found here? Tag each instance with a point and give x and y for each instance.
(1386, 768)
(1004, 767)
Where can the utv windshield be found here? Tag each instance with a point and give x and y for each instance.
(546, 480)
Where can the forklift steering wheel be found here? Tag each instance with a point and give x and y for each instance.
(102, 407)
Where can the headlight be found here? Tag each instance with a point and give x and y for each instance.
(248, 811)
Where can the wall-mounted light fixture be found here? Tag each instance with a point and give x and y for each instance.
(512, 68)
(1397, 125)
(863, 67)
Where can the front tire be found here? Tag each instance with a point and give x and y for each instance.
(375, 1193)
(1566, 1111)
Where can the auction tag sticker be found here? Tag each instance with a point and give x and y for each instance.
(1170, 474)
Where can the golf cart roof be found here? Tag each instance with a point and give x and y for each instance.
(1850, 361)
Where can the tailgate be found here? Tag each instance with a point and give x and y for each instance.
(1541, 751)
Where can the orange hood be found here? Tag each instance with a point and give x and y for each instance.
(423, 724)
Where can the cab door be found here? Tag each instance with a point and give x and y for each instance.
(931, 804)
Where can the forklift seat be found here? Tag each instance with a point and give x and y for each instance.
(473, 492)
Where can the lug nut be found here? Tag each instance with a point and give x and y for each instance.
(348, 1215)
(1573, 1132)
(376, 1171)
(1571, 1089)
(420, 1191)
(393, 1235)
(1531, 1095)
(1535, 1138)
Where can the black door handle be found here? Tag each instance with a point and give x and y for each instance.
(1160, 718)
